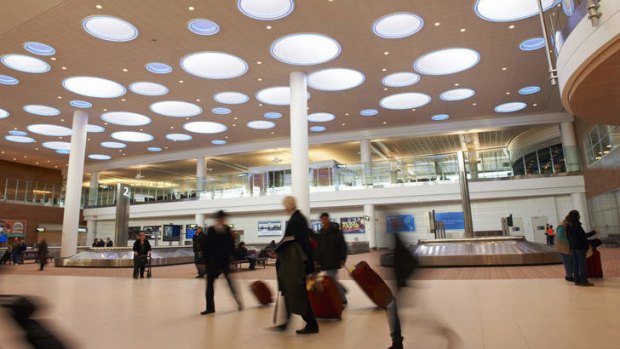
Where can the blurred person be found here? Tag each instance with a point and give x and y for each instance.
(15, 251)
(266, 252)
(578, 243)
(6, 257)
(562, 245)
(550, 235)
(331, 251)
(109, 243)
(141, 251)
(198, 254)
(95, 242)
(242, 253)
(22, 248)
(218, 248)
(43, 253)
(101, 243)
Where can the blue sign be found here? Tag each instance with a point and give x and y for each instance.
(451, 220)
(4, 238)
(404, 223)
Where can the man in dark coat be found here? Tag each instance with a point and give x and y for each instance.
(579, 244)
(293, 264)
(42, 254)
(218, 248)
(109, 243)
(331, 253)
(197, 239)
(141, 251)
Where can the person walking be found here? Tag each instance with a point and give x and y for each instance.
(331, 253)
(218, 248)
(562, 245)
(141, 251)
(578, 243)
(198, 255)
(43, 253)
(550, 235)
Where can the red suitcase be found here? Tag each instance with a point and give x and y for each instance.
(594, 267)
(324, 297)
(372, 284)
(262, 292)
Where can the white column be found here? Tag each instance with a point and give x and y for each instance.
(571, 150)
(201, 175)
(91, 231)
(93, 189)
(299, 142)
(75, 173)
(580, 203)
(366, 159)
(200, 219)
(371, 228)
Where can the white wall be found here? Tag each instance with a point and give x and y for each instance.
(605, 213)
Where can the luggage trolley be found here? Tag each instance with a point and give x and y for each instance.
(146, 262)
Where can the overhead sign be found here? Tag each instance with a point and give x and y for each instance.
(451, 220)
(13, 228)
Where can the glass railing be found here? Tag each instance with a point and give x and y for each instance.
(20, 191)
(562, 20)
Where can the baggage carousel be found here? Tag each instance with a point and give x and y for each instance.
(484, 252)
(122, 257)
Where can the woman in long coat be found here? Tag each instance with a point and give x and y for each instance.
(43, 253)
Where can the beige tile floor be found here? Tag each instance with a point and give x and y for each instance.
(114, 312)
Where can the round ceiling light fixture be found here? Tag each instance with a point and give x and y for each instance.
(231, 97)
(335, 79)
(63, 151)
(510, 107)
(318, 128)
(4, 114)
(131, 136)
(92, 86)
(221, 111)
(178, 137)
(279, 95)
(266, 10)
(8, 80)
(154, 149)
(17, 133)
(261, 124)
(509, 10)
(57, 146)
(176, 109)
(205, 127)
(99, 157)
(401, 79)
(447, 61)
(529, 90)
(214, 65)
(148, 88)
(440, 117)
(49, 130)
(457, 94)
(398, 25)
(532, 44)
(110, 28)
(305, 49)
(80, 104)
(158, 68)
(25, 63)
(218, 142)
(321, 117)
(94, 129)
(20, 139)
(272, 115)
(408, 100)
(113, 145)
(41, 110)
(369, 112)
(203, 26)
(125, 118)
(39, 48)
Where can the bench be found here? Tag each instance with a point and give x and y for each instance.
(612, 240)
(236, 264)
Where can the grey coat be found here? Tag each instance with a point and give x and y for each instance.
(290, 268)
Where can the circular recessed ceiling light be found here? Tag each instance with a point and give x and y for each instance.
(440, 117)
(401, 79)
(113, 145)
(50, 130)
(17, 133)
(528, 90)
(231, 97)
(39, 48)
(532, 44)
(8, 80)
(178, 137)
(510, 107)
(63, 151)
(266, 10)
(57, 145)
(261, 124)
(154, 149)
(4, 114)
(159, 68)
(91, 86)
(369, 112)
(273, 115)
(509, 10)
(110, 28)
(25, 63)
(94, 129)
(318, 128)
(214, 65)
(457, 94)
(130, 136)
(218, 142)
(81, 104)
(203, 26)
(447, 61)
(42, 110)
(148, 88)
(335, 79)
(305, 49)
(99, 157)
(176, 109)
(19, 139)
(407, 100)
(221, 111)
(321, 117)
(397, 25)
(280, 95)
(205, 127)
(125, 118)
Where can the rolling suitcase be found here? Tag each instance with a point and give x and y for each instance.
(372, 284)
(262, 292)
(324, 297)
(594, 267)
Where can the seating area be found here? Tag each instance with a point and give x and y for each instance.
(612, 240)
(236, 264)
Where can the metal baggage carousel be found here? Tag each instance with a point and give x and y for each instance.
(122, 257)
(484, 252)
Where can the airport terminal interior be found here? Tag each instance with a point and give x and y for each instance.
(464, 141)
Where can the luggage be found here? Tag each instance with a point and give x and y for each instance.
(372, 284)
(261, 292)
(324, 297)
(594, 267)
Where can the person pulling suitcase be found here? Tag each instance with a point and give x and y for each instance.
(331, 252)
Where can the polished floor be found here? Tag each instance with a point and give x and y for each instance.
(119, 312)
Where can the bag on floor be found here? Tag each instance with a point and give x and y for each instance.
(372, 284)
(594, 267)
(262, 292)
(324, 297)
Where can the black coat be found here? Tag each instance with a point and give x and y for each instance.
(142, 250)
(577, 237)
(331, 252)
(43, 252)
(218, 248)
(196, 241)
(298, 227)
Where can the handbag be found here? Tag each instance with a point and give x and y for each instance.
(280, 314)
(562, 247)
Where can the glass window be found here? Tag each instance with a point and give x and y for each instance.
(557, 156)
(531, 164)
(544, 159)
(518, 168)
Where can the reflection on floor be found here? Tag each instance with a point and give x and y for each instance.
(113, 312)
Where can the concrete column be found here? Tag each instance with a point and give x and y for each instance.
(201, 175)
(580, 203)
(299, 142)
(366, 160)
(91, 231)
(571, 150)
(71, 218)
(93, 189)
(371, 227)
